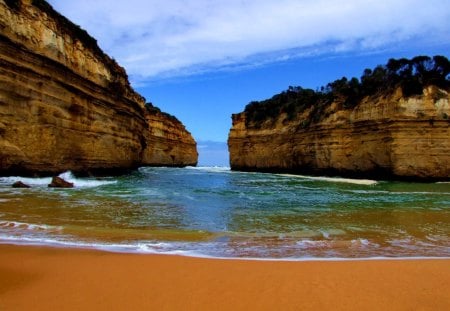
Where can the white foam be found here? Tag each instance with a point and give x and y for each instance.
(212, 169)
(26, 180)
(173, 249)
(360, 241)
(325, 234)
(367, 182)
(331, 232)
(437, 238)
(147, 248)
(67, 176)
(55, 242)
(312, 244)
(83, 182)
(28, 226)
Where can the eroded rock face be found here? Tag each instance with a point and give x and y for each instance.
(383, 137)
(168, 142)
(65, 105)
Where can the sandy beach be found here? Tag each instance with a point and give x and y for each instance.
(43, 278)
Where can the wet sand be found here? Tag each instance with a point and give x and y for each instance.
(43, 278)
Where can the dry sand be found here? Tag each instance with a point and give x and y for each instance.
(42, 278)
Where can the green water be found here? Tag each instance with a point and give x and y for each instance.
(215, 212)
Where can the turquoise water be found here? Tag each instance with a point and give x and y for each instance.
(218, 213)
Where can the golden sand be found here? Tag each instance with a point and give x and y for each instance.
(42, 278)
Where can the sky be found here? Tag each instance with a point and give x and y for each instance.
(202, 60)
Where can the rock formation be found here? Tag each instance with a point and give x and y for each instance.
(58, 182)
(20, 184)
(167, 143)
(383, 136)
(65, 105)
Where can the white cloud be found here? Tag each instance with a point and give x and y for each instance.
(155, 38)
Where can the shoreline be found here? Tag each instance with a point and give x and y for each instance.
(128, 249)
(42, 278)
(187, 254)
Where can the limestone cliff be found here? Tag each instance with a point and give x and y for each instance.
(168, 142)
(65, 105)
(384, 136)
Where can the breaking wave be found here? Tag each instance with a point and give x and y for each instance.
(68, 176)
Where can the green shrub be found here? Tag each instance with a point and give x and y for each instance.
(411, 75)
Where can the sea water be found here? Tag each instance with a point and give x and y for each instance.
(215, 212)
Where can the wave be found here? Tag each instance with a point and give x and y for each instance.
(367, 182)
(212, 169)
(85, 182)
(300, 250)
(27, 180)
(398, 193)
(184, 249)
(27, 226)
(138, 248)
(68, 176)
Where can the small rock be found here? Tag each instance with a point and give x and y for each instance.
(58, 182)
(19, 184)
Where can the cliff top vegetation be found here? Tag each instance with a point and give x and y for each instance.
(411, 75)
(74, 31)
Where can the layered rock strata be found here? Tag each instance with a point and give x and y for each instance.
(382, 137)
(65, 105)
(167, 142)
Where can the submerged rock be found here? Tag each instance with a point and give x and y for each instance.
(58, 182)
(20, 184)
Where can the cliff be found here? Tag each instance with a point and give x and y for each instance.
(386, 135)
(168, 142)
(65, 105)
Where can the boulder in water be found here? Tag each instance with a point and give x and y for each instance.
(19, 184)
(58, 182)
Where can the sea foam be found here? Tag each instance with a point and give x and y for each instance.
(85, 182)
(212, 169)
(367, 182)
(27, 180)
(68, 176)
(28, 226)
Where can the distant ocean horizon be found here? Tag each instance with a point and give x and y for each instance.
(211, 211)
(213, 153)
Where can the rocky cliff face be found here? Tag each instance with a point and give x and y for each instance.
(65, 105)
(382, 137)
(168, 142)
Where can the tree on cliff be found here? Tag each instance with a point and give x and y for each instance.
(415, 74)
(411, 75)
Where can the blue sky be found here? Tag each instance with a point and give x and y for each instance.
(202, 60)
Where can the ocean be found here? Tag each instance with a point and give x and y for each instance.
(215, 212)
